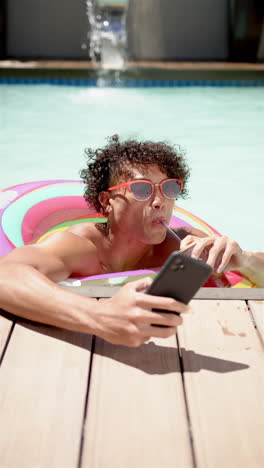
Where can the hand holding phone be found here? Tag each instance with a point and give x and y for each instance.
(180, 278)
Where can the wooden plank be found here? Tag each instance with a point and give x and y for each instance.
(203, 293)
(5, 329)
(230, 293)
(43, 384)
(223, 364)
(257, 309)
(136, 409)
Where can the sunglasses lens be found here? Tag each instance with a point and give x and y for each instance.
(171, 188)
(141, 190)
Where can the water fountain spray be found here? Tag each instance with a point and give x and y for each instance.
(107, 35)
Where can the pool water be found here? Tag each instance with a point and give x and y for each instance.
(44, 130)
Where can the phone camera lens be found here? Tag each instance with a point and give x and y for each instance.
(177, 261)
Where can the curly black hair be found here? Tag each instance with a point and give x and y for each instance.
(106, 165)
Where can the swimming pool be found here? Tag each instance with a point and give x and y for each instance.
(44, 130)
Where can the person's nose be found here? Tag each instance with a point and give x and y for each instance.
(158, 200)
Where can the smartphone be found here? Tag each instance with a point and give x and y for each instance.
(180, 278)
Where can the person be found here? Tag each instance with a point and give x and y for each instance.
(135, 185)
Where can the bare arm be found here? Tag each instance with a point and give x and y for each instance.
(253, 267)
(29, 294)
(27, 286)
(225, 254)
(27, 289)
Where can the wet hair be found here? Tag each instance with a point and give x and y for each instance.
(106, 166)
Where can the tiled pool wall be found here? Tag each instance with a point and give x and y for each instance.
(129, 83)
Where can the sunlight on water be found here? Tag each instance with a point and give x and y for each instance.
(44, 130)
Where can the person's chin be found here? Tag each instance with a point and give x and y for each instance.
(157, 236)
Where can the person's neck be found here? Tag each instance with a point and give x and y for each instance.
(124, 253)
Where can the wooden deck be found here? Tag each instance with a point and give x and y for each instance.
(83, 69)
(86, 64)
(195, 400)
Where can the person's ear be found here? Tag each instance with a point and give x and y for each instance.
(104, 198)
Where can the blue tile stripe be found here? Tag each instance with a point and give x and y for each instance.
(129, 83)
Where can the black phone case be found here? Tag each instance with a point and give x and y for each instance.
(180, 278)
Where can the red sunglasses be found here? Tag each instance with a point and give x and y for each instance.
(142, 190)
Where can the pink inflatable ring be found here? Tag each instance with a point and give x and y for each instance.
(29, 212)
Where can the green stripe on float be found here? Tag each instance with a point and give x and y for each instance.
(71, 222)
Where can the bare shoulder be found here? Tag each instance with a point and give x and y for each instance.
(58, 256)
(80, 252)
(66, 242)
(87, 231)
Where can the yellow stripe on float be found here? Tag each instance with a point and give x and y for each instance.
(51, 232)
